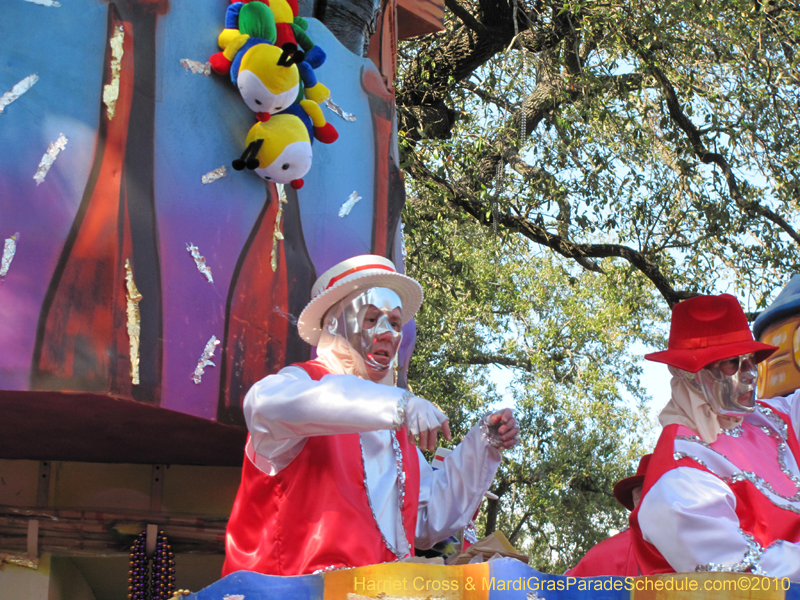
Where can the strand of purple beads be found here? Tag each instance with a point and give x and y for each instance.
(158, 576)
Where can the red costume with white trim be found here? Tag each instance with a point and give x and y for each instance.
(731, 505)
(279, 526)
(311, 506)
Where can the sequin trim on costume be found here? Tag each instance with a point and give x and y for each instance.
(757, 481)
(782, 449)
(735, 432)
(328, 569)
(401, 486)
(400, 415)
(778, 423)
(762, 485)
(749, 564)
(401, 475)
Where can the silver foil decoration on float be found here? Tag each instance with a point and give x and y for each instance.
(348, 205)
(205, 359)
(200, 261)
(49, 158)
(336, 109)
(212, 176)
(17, 91)
(9, 250)
(196, 67)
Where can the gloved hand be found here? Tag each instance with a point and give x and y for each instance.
(501, 429)
(424, 420)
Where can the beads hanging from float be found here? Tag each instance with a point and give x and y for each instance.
(151, 581)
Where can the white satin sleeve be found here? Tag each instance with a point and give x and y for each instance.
(689, 516)
(285, 409)
(448, 497)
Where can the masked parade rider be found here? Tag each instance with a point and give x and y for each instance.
(331, 476)
(722, 490)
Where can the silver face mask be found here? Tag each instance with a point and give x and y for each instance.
(346, 319)
(722, 383)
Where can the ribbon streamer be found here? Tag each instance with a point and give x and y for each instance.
(194, 66)
(338, 110)
(134, 320)
(111, 90)
(200, 261)
(49, 158)
(9, 250)
(349, 204)
(205, 359)
(17, 91)
(212, 176)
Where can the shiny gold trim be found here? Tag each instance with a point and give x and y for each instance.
(134, 320)
(111, 90)
(277, 235)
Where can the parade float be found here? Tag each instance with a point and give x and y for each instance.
(146, 283)
(779, 325)
(158, 246)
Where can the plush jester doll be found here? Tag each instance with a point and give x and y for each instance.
(251, 24)
(279, 150)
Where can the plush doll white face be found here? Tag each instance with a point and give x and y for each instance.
(278, 150)
(260, 98)
(268, 80)
(292, 163)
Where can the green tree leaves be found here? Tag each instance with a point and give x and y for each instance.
(665, 130)
(565, 334)
(574, 169)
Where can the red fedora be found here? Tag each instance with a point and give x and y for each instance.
(705, 329)
(623, 491)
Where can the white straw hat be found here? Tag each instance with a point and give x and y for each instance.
(357, 273)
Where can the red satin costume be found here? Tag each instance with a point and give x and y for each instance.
(612, 556)
(315, 513)
(751, 451)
